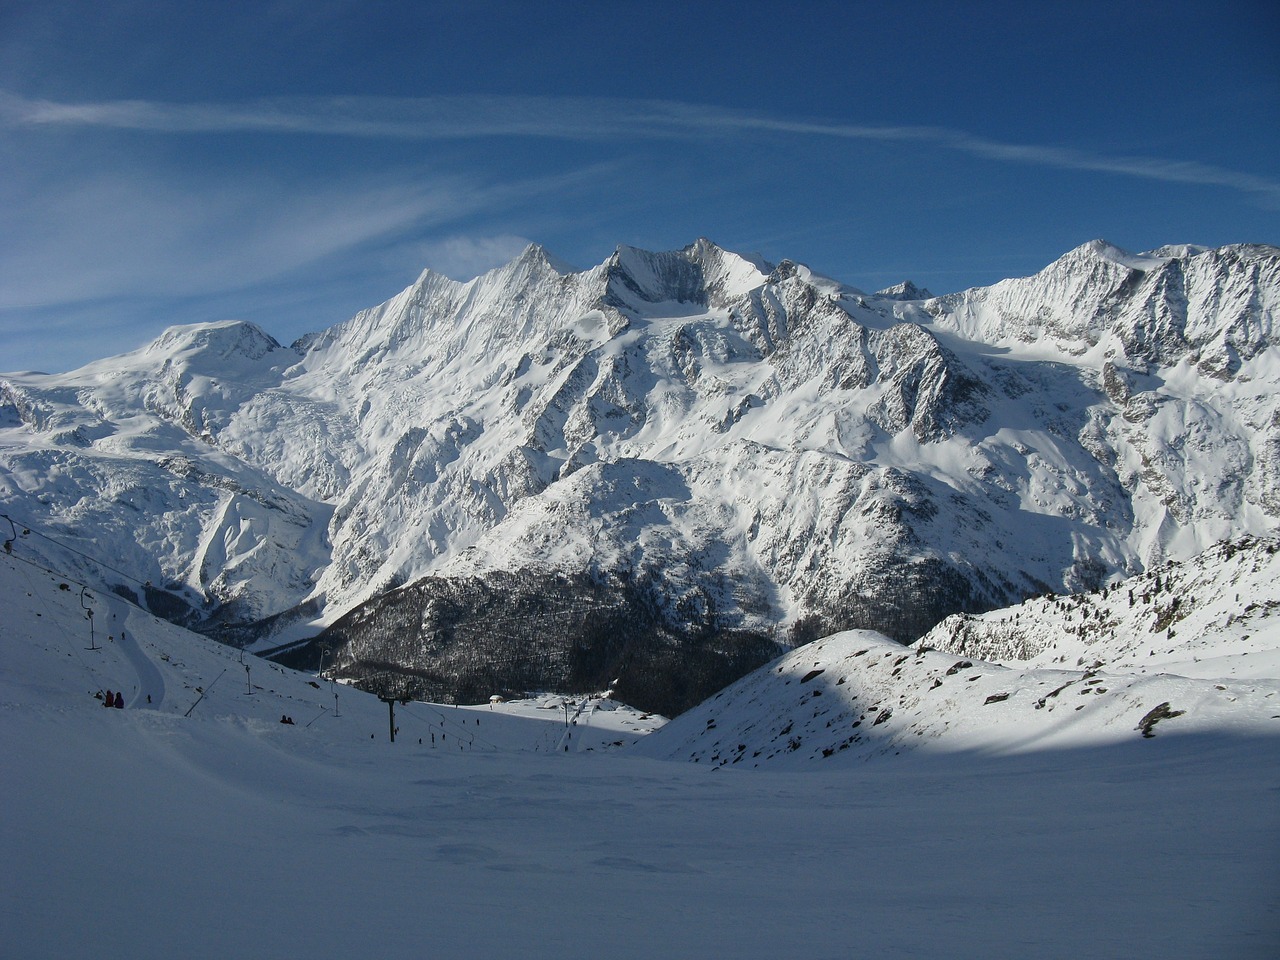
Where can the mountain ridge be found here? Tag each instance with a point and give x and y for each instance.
(770, 453)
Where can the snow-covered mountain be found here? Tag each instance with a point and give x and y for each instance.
(1192, 648)
(720, 452)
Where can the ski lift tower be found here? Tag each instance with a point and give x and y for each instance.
(391, 712)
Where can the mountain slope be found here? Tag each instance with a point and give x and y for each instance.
(1215, 616)
(858, 695)
(1091, 669)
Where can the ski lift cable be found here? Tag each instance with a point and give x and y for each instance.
(446, 723)
(204, 692)
(74, 645)
(31, 528)
(405, 711)
(404, 708)
(69, 579)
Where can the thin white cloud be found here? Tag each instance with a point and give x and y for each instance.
(1151, 168)
(421, 118)
(117, 234)
(577, 118)
(463, 257)
(129, 233)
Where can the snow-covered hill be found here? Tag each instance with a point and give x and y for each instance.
(1192, 648)
(858, 694)
(65, 645)
(740, 453)
(1215, 616)
(198, 825)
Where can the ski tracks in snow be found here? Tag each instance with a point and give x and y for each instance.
(150, 679)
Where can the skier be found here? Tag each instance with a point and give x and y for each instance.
(109, 700)
(119, 700)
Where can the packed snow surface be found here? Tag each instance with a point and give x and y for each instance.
(194, 823)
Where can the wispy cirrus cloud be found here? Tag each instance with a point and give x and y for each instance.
(94, 263)
(124, 232)
(463, 256)
(115, 234)
(579, 118)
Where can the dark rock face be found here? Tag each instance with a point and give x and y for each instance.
(453, 640)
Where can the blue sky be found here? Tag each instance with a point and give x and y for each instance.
(292, 162)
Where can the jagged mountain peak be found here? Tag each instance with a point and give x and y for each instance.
(789, 271)
(537, 295)
(1177, 251)
(1101, 249)
(536, 252)
(534, 261)
(905, 291)
(430, 278)
(1154, 259)
(1099, 255)
(1214, 308)
(1176, 256)
(702, 273)
(716, 260)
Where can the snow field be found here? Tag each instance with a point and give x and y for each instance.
(225, 833)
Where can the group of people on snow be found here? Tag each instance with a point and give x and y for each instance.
(110, 699)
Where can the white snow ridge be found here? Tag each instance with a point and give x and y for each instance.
(965, 609)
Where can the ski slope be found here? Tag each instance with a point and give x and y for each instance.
(200, 826)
